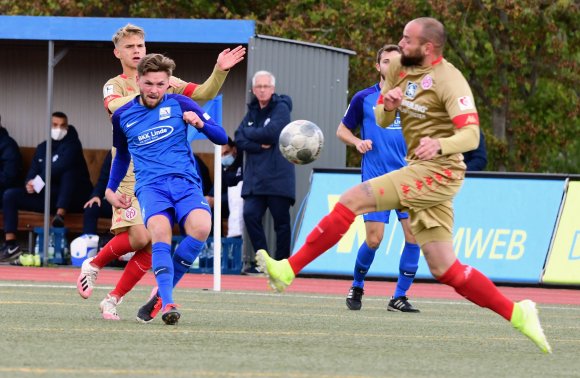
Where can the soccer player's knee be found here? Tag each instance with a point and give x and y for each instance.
(373, 241)
(200, 232)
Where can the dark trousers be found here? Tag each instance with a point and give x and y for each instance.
(92, 214)
(64, 197)
(254, 210)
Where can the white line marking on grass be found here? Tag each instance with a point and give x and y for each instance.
(278, 295)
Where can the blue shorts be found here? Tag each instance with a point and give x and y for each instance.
(174, 197)
(383, 216)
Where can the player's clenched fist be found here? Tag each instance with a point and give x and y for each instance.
(193, 119)
(392, 99)
(117, 199)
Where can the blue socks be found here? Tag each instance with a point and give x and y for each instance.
(408, 265)
(364, 259)
(162, 265)
(184, 256)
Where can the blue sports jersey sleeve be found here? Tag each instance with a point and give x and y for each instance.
(212, 130)
(354, 113)
(122, 159)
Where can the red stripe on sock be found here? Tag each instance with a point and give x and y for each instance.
(136, 268)
(324, 235)
(115, 248)
(476, 287)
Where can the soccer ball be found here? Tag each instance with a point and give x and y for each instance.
(301, 142)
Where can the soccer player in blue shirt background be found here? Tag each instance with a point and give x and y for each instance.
(384, 150)
(152, 129)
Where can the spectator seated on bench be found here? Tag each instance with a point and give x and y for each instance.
(10, 162)
(98, 207)
(70, 184)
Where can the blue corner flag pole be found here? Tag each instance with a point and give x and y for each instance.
(214, 109)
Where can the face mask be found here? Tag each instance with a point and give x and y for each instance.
(227, 160)
(58, 133)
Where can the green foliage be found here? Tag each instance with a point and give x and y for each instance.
(520, 57)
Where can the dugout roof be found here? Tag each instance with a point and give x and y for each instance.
(102, 29)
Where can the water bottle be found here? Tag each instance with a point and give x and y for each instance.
(51, 247)
(37, 245)
(64, 249)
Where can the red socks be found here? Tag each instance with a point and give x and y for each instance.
(326, 234)
(115, 248)
(474, 286)
(136, 268)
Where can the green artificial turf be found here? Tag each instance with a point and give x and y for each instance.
(49, 331)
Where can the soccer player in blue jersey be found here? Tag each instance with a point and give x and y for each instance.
(384, 150)
(152, 129)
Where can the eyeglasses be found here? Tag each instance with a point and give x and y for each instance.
(263, 86)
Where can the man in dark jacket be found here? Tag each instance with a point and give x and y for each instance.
(98, 207)
(269, 179)
(476, 160)
(10, 162)
(70, 183)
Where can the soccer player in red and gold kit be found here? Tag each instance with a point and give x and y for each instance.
(440, 122)
(127, 224)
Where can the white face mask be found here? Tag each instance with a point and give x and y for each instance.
(57, 133)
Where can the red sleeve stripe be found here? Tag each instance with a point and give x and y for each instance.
(189, 89)
(380, 100)
(466, 119)
(109, 99)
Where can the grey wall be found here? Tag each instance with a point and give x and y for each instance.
(316, 77)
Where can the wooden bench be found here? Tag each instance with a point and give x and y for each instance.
(27, 220)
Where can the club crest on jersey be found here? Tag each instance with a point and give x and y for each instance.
(164, 113)
(427, 82)
(411, 90)
(465, 103)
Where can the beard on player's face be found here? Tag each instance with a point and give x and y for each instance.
(150, 102)
(414, 58)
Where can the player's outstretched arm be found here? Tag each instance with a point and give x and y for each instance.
(211, 87)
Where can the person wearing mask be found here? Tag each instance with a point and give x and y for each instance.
(70, 183)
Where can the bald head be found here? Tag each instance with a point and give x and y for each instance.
(432, 31)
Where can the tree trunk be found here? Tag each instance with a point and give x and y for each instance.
(499, 124)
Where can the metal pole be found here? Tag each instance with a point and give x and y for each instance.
(48, 158)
